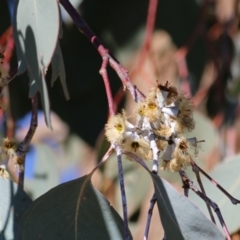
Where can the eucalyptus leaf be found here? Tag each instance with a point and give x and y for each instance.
(58, 69)
(227, 175)
(36, 34)
(22, 64)
(181, 219)
(32, 85)
(52, 216)
(13, 203)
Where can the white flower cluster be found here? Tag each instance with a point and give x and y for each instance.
(162, 119)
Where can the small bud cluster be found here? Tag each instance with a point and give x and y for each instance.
(162, 119)
(8, 149)
(3, 72)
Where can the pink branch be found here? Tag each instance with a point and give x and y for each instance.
(152, 10)
(85, 29)
(197, 169)
(103, 72)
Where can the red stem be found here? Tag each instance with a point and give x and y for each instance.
(103, 72)
(122, 73)
(151, 17)
(152, 10)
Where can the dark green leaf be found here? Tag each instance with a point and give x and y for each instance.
(52, 216)
(14, 202)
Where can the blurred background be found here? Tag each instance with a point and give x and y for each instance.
(195, 45)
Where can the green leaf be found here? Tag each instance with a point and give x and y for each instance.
(181, 219)
(52, 216)
(227, 175)
(32, 85)
(58, 69)
(22, 64)
(13, 204)
(36, 34)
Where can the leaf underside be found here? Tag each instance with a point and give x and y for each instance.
(36, 33)
(181, 219)
(13, 203)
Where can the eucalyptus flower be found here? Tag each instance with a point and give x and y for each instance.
(116, 128)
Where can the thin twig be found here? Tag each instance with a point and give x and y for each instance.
(103, 72)
(203, 191)
(196, 168)
(85, 29)
(24, 145)
(150, 212)
(207, 200)
(137, 159)
(123, 194)
(12, 75)
(151, 17)
(104, 159)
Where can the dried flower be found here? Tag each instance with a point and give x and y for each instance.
(19, 163)
(184, 119)
(176, 155)
(158, 95)
(148, 109)
(116, 128)
(8, 144)
(181, 152)
(9, 149)
(163, 131)
(161, 144)
(138, 146)
(172, 93)
(152, 112)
